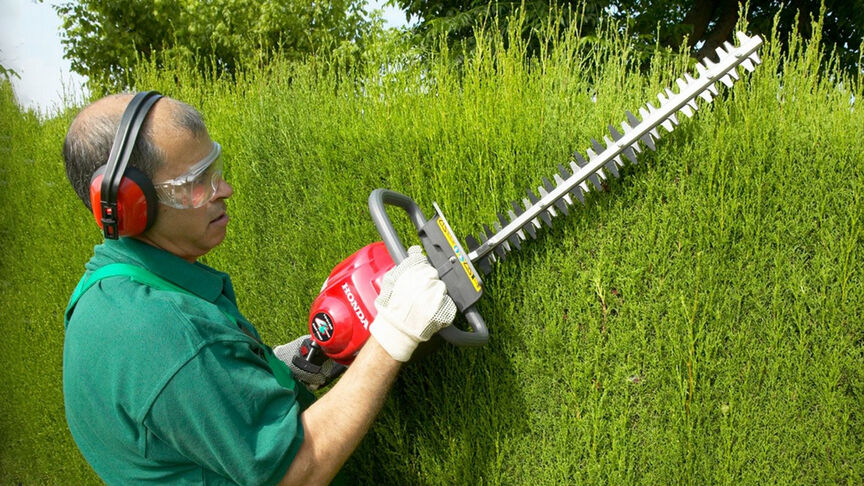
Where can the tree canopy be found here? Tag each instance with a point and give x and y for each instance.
(103, 38)
(705, 24)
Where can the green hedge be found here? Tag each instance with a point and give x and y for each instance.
(699, 323)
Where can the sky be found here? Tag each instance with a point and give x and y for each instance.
(30, 45)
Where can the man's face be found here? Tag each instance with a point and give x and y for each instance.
(187, 233)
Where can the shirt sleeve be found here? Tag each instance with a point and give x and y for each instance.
(225, 411)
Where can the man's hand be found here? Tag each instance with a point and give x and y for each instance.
(412, 306)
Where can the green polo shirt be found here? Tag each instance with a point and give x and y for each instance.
(163, 387)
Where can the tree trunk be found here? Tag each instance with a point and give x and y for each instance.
(722, 30)
(698, 18)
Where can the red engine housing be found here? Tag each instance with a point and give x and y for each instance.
(340, 316)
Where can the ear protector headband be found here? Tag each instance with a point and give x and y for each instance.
(122, 198)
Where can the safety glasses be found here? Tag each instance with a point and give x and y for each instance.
(194, 188)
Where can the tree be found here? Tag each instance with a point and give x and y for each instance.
(104, 38)
(706, 24)
(457, 18)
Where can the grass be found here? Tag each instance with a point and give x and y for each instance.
(700, 323)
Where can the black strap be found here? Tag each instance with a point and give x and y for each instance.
(121, 151)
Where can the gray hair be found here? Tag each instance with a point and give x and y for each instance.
(90, 137)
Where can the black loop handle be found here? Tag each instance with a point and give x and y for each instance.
(377, 201)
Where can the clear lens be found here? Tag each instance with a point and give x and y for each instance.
(196, 187)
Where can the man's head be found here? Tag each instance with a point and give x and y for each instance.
(172, 140)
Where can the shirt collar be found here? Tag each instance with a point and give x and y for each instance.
(197, 278)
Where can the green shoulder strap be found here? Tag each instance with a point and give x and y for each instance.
(143, 276)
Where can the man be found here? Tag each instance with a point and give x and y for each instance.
(167, 382)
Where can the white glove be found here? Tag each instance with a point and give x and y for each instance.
(412, 306)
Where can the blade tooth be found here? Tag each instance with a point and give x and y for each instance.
(674, 119)
(727, 80)
(615, 135)
(472, 243)
(701, 69)
(669, 93)
(483, 237)
(600, 173)
(655, 133)
(591, 155)
(706, 95)
(584, 186)
(648, 140)
(488, 231)
(562, 206)
(668, 125)
(644, 113)
(663, 100)
(712, 88)
(546, 218)
(729, 47)
(597, 147)
(547, 184)
(688, 78)
(626, 128)
(692, 104)
(632, 120)
(564, 173)
(682, 85)
(485, 265)
(755, 58)
(612, 167)
(580, 161)
(748, 65)
(742, 37)
(501, 252)
(515, 242)
(720, 53)
(502, 219)
(687, 111)
(574, 167)
(596, 181)
(733, 73)
(517, 209)
(578, 192)
(630, 154)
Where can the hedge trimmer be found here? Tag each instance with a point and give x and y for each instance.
(341, 314)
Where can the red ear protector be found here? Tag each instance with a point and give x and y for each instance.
(123, 199)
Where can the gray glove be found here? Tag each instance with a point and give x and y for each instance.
(313, 373)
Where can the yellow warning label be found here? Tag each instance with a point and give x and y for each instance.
(461, 256)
